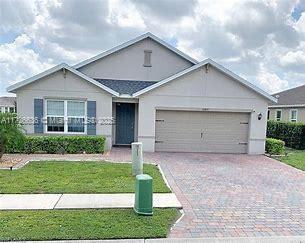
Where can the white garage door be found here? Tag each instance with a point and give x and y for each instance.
(201, 131)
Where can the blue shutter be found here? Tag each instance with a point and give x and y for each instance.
(91, 116)
(38, 114)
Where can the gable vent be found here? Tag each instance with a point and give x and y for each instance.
(147, 58)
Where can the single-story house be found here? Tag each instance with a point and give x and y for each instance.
(290, 105)
(152, 93)
(7, 104)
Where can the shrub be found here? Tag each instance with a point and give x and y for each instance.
(11, 136)
(64, 144)
(275, 146)
(293, 134)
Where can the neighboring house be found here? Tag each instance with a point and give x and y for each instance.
(290, 105)
(7, 104)
(157, 95)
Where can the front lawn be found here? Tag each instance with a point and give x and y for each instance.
(76, 177)
(84, 224)
(295, 158)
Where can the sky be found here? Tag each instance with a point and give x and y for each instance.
(262, 41)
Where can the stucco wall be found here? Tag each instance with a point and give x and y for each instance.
(286, 113)
(71, 86)
(128, 63)
(197, 90)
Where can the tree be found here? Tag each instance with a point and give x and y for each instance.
(11, 136)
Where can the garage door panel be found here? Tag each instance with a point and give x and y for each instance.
(191, 131)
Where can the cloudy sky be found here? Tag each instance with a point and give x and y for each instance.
(262, 41)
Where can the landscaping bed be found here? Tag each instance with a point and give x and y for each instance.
(76, 177)
(84, 224)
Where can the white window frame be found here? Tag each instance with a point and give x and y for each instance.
(66, 117)
(276, 114)
(296, 115)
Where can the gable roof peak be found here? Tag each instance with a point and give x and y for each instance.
(219, 68)
(131, 42)
(54, 69)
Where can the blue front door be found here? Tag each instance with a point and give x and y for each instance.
(125, 122)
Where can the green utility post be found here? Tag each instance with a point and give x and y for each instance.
(144, 195)
(137, 158)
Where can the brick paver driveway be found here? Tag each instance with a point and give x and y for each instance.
(235, 195)
(230, 195)
(227, 195)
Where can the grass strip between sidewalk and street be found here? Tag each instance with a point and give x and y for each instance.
(84, 224)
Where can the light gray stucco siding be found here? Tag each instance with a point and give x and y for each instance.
(58, 86)
(127, 64)
(212, 91)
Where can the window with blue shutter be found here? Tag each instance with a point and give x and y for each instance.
(91, 117)
(38, 114)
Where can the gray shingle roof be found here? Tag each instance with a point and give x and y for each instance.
(128, 87)
(294, 96)
(7, 101)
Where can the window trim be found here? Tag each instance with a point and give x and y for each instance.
(276, 114)
(296, 115)
(66, 117)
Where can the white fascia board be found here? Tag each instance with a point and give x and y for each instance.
(18, 85)
(131, 42)
(286, 106)
(243, 81)
(91, 80)
(174, 49)
(164, 81)
(217, 66)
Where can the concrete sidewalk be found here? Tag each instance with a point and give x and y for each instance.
(73, 201)
(284, 239)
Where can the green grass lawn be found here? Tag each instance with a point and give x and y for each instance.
(76, 177)
(84, 224)
(295, 158)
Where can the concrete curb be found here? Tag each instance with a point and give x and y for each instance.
(279, 239)
(283, 239)
(82, 241)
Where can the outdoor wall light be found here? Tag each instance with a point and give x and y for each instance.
(259, 116)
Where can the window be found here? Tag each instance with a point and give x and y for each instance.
(55, 116)
(268, 114)
(76, 116)
(12, 109)
(65, 116)
(293, 115)
(147, 58)
(278, 115)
